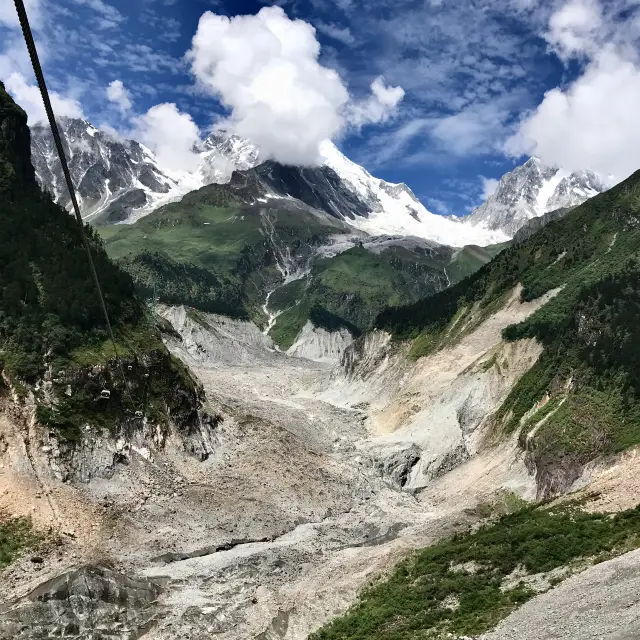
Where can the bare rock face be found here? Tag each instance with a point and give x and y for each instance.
(169, 405)
(88, 603)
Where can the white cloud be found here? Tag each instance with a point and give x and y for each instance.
(476, 129)
(341, 34)
(378, 107)
(489, 186)
(573, 28)
(119, 95)
(170, 134)
(593, 122)
(264, 68)
(110, 17)
(29, 98)
(14, 57)
(9, 17)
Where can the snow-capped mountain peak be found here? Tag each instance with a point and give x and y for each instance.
(395, 210)
(222, 153)
(121, 180)
(113, 177)
(531, 190)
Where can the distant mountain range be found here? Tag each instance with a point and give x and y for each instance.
(121, 180)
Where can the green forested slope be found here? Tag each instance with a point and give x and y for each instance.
(213, 251)
(590, 367)
(218, 250)
(50, 317)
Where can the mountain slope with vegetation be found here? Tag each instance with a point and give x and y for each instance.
(224, 248)
(463, 586)
(51, 322)
(581, 400)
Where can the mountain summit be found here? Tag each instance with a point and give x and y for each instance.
(532, 190)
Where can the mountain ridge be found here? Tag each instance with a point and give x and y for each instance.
(122, 180)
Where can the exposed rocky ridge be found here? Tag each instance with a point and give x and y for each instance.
(434, 414)
(318, 187)
(119, 180)
(111, 176)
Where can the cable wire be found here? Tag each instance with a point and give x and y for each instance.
(35, 61)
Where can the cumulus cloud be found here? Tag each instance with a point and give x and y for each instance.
(29, 98)
(264, 68)
(592, 123)
(489, 186)
(170, 134)
(117, 94)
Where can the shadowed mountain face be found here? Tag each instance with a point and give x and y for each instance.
(16, 171)
(319, 187)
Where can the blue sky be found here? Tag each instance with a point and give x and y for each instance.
(474, 74)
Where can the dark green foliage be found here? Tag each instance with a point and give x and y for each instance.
(592, 334)
(320, 317)
(16, 536)
(48, 304)
(413, 602)
(182, 283)
(349, 289)
(579, 248)
(51, 318)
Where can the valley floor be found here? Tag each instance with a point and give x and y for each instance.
(299, 504)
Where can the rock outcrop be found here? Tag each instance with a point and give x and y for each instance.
(84, 603)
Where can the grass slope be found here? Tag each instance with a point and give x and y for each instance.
(216, 253)
(349, 289)
(16, 537)
(458, 586)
